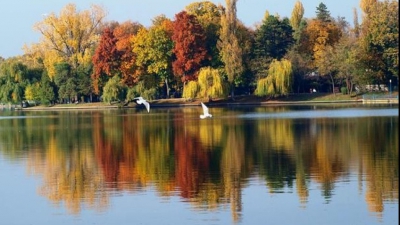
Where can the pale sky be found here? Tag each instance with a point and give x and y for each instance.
(17, 17)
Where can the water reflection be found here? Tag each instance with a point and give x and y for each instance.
(85, 157)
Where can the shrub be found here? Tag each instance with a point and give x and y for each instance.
(343, 90)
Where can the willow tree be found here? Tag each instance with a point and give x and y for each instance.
(13, 76)
(230, 49)
(211, 83)
(279, 80)
(68, 37)
(114, 90)
(191, 90)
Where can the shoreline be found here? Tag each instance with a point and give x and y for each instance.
(91, 106)
(250, 100)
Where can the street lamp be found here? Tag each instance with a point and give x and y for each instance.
(390, 87)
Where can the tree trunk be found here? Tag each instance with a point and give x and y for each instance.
(333, 84)
(167, 86)
(232, 92)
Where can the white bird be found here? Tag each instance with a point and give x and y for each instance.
(140, 100)
(205, 112)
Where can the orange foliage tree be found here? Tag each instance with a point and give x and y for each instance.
(114, 55)
(124, 33)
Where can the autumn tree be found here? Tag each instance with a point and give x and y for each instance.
(366, 5)
(209, 17)
(69, 37)
(211, 83)
(279, 79)
(191, 90)
(296, 18)
(319, 34)
(153, 48)
(190, 47)
(124, 34)
(229, 46)
(106, 60)
(356, 28)
(114, 55)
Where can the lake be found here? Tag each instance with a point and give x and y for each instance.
(305, 164)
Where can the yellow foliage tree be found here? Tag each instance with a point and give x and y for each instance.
(69, 37)
(211, 84)
(279, 79)
(190, 90)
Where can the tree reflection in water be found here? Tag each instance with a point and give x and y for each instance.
(83, 157)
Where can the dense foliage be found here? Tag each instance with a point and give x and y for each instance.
(206, 50)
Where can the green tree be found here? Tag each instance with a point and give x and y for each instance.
(46, 90)
(272, 41)
(347, 61)
(14, 76)
(380, 40)
(84, 86)
(323, 13)
(273, 38)
(66, 82)
(326, 65)
(301, 67)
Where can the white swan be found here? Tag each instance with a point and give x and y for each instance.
(140, 100)
(205, 112)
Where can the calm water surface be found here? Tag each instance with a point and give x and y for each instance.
(246, 165)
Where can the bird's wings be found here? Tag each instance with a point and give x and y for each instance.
(139, 100)
(205, 109)
(147, 105)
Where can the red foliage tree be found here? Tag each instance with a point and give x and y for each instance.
(190, 46)
(106, 59)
